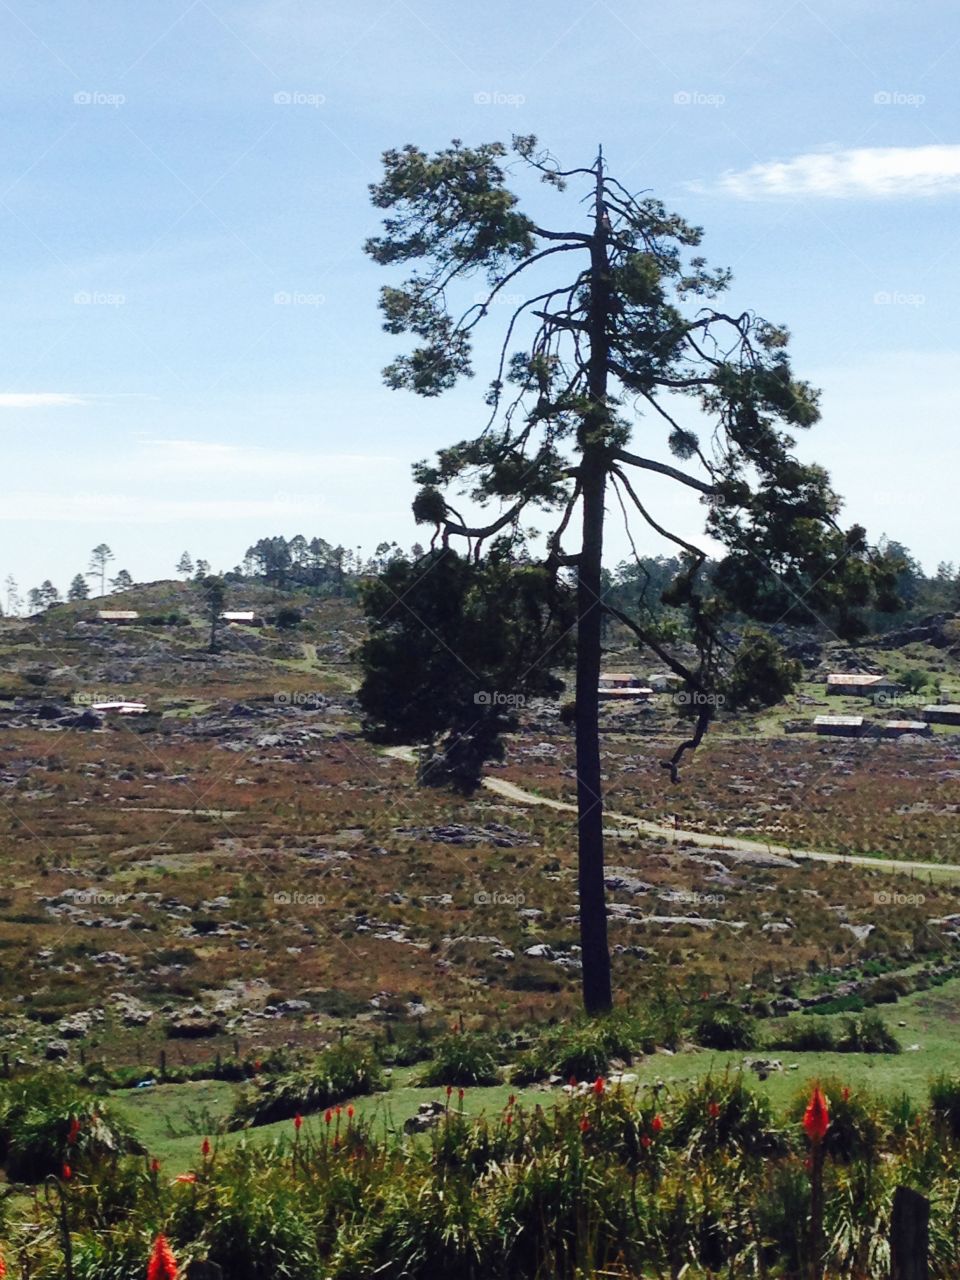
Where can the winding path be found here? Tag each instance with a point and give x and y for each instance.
(510, 791)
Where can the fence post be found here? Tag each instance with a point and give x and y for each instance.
(909, 1236)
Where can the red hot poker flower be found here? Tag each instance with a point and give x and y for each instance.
(154, 1165)
(327, 1116)
(816, 1118)
(162, 1264)
(205, 1149)
(66, 1173)
(714, 1110)
(656, 1124)
(298, 1122)
(74, 1131)
(645, 1140)
(3, 1267)
(350, 1112)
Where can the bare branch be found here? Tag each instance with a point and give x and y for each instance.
(664, 469)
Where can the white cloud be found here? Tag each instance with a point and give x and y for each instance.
(38, 399)
(866, 173)
(208, 457)
(112, 508)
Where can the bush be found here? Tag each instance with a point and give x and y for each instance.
(804, 1035)
(341, 1072)
(725, 1026)
(945, 1104)
(462, 1059)
(37, 1114)
(867, 1034)
(583, 1051)
(288, 618)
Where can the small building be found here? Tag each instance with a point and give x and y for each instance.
(897, 728)
(120, 708)
(664, 681)
(859, 684)
(623, 685)
(942, 713)
(242, 617)
(838, 726)
(117, 615)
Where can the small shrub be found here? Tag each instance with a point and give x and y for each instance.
(804, 1035)
(945, 1104)
(37, 1114)
(725, 1026)
(462, 1059)
(867, 1034)
(341, 1072)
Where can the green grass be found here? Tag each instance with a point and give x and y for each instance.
(169, 1119)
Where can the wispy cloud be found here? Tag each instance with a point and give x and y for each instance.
(864, 173)
(38, 399)
(202, 457)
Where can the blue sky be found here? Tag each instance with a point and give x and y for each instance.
(190, 335)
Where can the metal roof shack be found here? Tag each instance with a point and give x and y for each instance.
(942, 713)
(117, 615)
(664, 681)
(897, 728)
(839, 726)
(623, 684)
(121, 708)
(245, 617)
(859, 684)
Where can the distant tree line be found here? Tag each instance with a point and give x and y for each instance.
(323, 568)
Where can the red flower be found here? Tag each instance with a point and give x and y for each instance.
(599, 1086)
(584, 1125)
(327, 1116)
(350, 1112)
(185, 1177)
(66, 1173)
(339, 1109)
(645, 1140)
(460, 1094)
(656, 1124)
(205, 1149)
(258, 1065)
(298, 1122)
(162, 1264)
(449, 1090)
(846, 1094)
(714, 1110)
(816, 1118)
(3, 1267)
(154, 1165)
(509, 1118)
(74, 1130)
(511, 1100)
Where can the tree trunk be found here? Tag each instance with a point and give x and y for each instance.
(909, 1235)
(595, 954)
